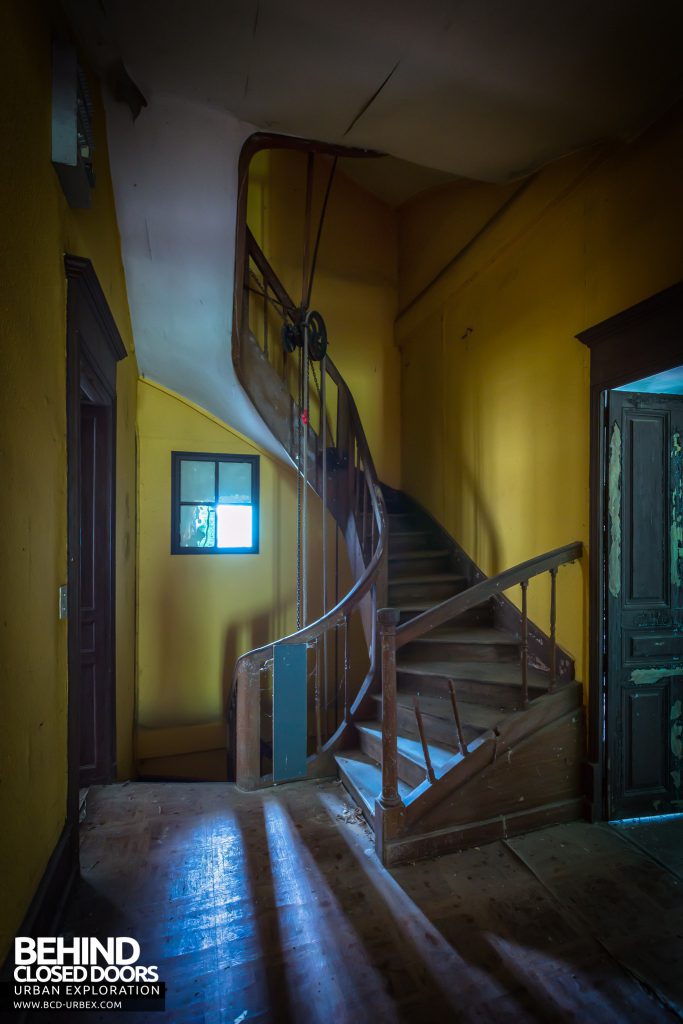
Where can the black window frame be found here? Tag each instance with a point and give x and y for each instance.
(177, 458)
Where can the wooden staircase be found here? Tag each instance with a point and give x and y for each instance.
(498, 768)
(451, 718)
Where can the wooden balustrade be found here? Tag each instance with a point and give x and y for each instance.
(338, 466)
(393, 638)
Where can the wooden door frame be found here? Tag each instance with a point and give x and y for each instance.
(93, 349)
(643, 340)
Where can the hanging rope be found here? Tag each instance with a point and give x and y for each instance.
(311, 276)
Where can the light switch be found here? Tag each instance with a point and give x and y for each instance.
(63, 601)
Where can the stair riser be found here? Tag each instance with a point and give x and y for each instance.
(415, 540)
(408, 771)
(368, 813)
(400, 521)
(495, 695)
(482, 615)
(417, 566)
(457, 651)
(437, 730)
(400, 593)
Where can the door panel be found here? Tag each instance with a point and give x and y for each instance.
(95, 637)
(644, 651)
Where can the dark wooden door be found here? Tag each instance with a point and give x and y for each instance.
(96, 685)
(644, 650)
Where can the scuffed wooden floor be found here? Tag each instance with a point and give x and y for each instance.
(273, 907)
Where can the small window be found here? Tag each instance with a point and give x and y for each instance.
(215, 507)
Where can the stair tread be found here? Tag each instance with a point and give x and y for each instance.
(496, 673)
(468, 635)
(419, 532)
(416, 553)
(410, 746)
(436, 577)
(478, 716)
(366, 775)
(423, 606)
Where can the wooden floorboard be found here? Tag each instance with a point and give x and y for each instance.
(273, 907)
(629, 902)
(661, 839)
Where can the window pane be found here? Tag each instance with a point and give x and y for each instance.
(197, 481)
(235, 526)
(234, 483)
(197, 526)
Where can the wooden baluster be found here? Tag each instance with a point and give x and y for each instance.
(323, 436)
(425, 748)
(350, 477)
(553, 631)
(336, 628)
(347, 667)
(316, 691)
(248, 735)
(363, 542)
(456, 716)
(524, 646)
(265, 316)
(388, 620)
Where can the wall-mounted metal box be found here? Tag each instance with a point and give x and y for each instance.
(72, 135)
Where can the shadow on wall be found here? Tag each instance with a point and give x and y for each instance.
(441, 465)
(486, 537)
(238, 640)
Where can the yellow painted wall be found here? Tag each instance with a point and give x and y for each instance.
(198, 613)
(355, 285)
(495, 418)
(37, 229)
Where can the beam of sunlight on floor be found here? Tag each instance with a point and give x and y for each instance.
(328, 975)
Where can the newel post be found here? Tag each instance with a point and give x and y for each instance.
(389, 806)
(248, 726)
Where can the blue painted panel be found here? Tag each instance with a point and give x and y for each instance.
(290, 708)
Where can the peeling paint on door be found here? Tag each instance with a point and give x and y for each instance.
(676, 512)
(614, 503)
(676, 737)
(643, 676)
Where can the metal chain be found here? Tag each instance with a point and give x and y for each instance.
(298, 490)
(315, 377)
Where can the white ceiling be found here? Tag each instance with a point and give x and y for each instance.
(487, 89)
(480, 88)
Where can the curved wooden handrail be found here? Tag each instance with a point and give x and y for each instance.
(393, 637)
(335, 616)
(357, 505)
(480, 592)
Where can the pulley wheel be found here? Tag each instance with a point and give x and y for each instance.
(317, 335)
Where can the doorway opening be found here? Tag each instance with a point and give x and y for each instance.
(96, 680)
(643, 624)
(94, 348)
(635, 741)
